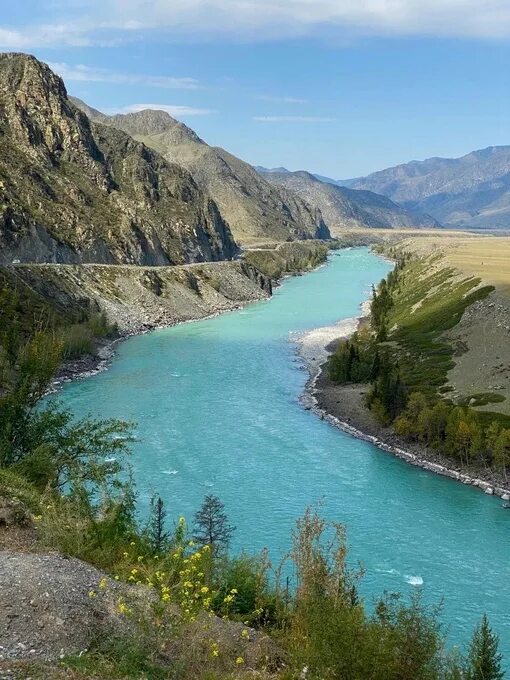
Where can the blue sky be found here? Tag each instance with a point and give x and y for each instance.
(339, 87)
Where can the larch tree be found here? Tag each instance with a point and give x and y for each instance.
(211, 525)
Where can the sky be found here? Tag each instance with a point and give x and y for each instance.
(338, 87)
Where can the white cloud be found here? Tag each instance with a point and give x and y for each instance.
(73, 34)
(262, 19)
(108, 22)
(293, 119)
(175, 110)
(83, 73)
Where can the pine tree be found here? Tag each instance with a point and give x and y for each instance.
(211, 525)
(157, 534)
(484, 660)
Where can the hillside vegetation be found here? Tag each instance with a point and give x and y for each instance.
(288, 258)
(421, 353)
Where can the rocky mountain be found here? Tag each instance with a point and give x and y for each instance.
(254, 208)
(76, 191)
(343, 207)
(471, 191)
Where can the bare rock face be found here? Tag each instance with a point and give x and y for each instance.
(254, 208)
(45, 607)
(76, 191)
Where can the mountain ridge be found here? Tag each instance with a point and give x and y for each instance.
(472, 191)
(254, 208)
(347, 208)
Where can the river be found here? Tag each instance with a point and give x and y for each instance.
(217, 409)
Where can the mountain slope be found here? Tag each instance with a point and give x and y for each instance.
(76, 191)
(254, 208)
(344, 207)
(471, 191)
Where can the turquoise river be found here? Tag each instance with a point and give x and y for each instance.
(217, 408)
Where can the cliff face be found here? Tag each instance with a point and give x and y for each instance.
(76, 191)
(254, 208)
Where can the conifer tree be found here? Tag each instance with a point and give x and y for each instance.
(157, 533)
(484, 659)
(211, 526)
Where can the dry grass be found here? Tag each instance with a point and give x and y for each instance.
(486, 257)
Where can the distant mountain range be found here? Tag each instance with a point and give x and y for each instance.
(468, 192)
(343, 207)
(77, 185)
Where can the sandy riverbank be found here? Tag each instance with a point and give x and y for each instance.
(343, 406)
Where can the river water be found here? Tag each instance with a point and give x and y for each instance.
(217, 408)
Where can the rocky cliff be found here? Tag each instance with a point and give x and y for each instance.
(76, 191)
(254, 208)
(140, 298)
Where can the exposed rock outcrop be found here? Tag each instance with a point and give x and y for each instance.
(141, 298)
(46, 610)
(76, 191)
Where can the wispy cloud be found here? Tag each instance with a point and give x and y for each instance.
(83, 73)
(294, 119)
(73, 34)
(280, 99)
(108, 22)
(175, 110)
